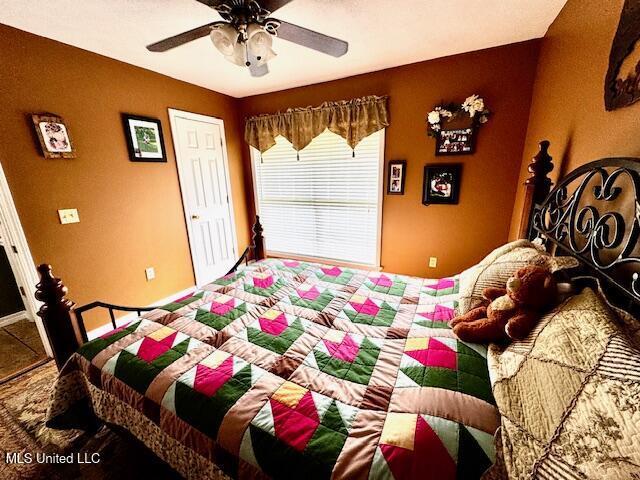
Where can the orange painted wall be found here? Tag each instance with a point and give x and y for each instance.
(131, 213)
(458, 235)
(568, 97)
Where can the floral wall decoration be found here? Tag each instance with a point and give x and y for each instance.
(465, 117)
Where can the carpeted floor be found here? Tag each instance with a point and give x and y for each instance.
(23, 406)
(20, 347)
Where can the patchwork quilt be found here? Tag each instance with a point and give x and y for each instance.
(569, 395)
(288, 369)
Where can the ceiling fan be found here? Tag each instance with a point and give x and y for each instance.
(245, 34)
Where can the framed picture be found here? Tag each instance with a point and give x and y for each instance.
(53, 135)
(144, 139)
(441, 184)
(460, 141)
(395, 177)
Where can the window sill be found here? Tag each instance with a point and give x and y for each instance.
(329, 261)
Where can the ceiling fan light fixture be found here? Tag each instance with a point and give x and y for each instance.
(267, 57)
(239, 55)
(225, 39)
(259, 43)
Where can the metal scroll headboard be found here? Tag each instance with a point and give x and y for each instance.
(594, 214)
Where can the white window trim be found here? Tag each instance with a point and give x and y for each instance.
(255, 156)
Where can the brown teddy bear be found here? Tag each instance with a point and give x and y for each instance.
(509, 312)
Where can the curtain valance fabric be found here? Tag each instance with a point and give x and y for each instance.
(353, 120)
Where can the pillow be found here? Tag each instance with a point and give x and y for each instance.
(628, 322)
(496, 268)
(569, 395)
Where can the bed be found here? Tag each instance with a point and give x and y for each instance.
(326, 370)
(289, 369)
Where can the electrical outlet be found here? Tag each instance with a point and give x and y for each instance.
(68, 215)
(433, 262)
(150, 273)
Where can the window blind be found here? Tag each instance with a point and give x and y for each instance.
(324, 204)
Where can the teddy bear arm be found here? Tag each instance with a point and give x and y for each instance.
(471, 315)
(483, 330)
(519, 326)
(491, 293)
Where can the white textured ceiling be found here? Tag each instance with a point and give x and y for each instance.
(381, 34)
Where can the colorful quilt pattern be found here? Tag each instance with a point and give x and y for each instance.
(436, 315)
(445, 362)
(370, 311)
(274, 330)
(220, 311)
(310, 295)
(384, 283)
(345, 355)
(311, 371)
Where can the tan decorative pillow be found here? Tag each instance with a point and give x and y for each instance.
(569, 395)
(496, 268)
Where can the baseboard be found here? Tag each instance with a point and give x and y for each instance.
(96, 332)
(13, 318)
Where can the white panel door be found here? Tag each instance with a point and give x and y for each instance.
(204, 180)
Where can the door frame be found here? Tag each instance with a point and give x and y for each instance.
(20, 258)
(174, 114)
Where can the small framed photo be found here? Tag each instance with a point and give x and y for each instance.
(144, 138)
(53, 135)
(461, 141)
(395, 177)
(441, 184)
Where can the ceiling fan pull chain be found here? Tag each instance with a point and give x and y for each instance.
(298, 155)
(353, 153)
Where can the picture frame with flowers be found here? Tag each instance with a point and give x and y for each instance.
(467, 116)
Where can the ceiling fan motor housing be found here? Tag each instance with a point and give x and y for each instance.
(240, 12)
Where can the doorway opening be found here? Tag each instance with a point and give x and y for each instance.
(23, 340)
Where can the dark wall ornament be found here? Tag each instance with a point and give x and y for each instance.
(145, 141)
(621, 92)
(53, 135)
(441, 183)
(456, 141)
(455, 126)
(395, 177)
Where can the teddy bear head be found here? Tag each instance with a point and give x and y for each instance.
(532, 286)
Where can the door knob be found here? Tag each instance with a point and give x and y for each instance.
(195, 217)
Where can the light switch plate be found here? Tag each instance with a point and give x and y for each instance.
(68, 215)
(433, 262)
(150, 273)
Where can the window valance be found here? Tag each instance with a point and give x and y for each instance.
(353, 120)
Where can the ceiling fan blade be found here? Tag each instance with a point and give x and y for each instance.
(270, 5)
(181, 39)
(310, 39)
(211, 3)
(259, 71)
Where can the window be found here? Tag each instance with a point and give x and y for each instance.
(327, 203)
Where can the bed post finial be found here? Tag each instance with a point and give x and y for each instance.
(55, 314)
(258, 240)
(537, 186)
